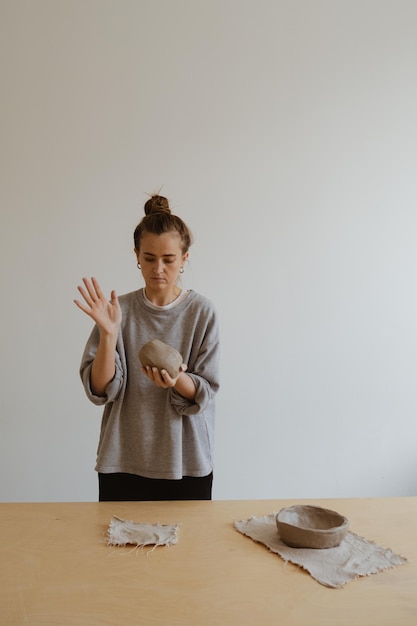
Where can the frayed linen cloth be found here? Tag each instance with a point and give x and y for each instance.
(122, 532)
(333, 567)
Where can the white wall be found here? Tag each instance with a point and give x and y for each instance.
(284, 132)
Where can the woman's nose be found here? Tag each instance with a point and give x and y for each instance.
(158, 267)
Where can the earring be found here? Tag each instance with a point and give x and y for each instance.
(138, 266)
(182, 270)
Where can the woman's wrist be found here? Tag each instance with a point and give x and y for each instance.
(185, 386)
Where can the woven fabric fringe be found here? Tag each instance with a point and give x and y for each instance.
(122, 532)
(332, 567)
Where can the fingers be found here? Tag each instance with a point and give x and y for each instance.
(161, 378)
(94, 300)
(86, 295)
(169, 382)
(97, 288)
(82, 306)
(93, 289)
(92, 292)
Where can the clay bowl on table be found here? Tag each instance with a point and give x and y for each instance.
(304, 526)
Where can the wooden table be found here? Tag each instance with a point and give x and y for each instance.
(56, 569)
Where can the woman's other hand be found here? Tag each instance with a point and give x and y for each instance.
(161, 378)
(183, 383)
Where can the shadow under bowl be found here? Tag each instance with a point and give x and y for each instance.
(305, 526)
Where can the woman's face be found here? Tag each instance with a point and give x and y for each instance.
(161, 258)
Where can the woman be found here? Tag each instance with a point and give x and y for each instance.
(157, 432)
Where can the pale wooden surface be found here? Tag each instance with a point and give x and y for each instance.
(56, 570)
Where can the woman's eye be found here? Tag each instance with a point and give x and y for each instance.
(166, 261)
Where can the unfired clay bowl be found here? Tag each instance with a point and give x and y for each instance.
(303, 526)
(159, 354)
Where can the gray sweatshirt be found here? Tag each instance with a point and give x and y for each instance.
(147, 430)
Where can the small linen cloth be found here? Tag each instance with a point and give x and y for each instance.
(333, 567)
(122, 532)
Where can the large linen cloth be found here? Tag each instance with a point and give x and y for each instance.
(333, 567)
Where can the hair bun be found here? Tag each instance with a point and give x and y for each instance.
(157, 204)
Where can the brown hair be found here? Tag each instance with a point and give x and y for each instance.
(159, 219)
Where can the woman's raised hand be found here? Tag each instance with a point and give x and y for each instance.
(106, 313)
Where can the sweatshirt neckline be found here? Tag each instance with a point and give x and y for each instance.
(177, 305)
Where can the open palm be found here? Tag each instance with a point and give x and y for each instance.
(106, 313)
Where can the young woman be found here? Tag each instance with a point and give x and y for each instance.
(157, 432)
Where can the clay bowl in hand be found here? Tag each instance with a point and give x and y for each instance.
(162, 356)
(303, 526)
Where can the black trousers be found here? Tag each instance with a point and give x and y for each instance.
(129, 487)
